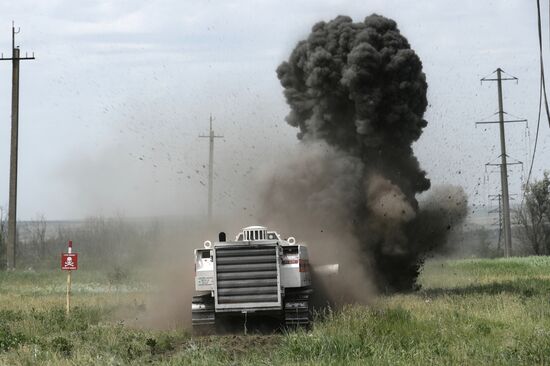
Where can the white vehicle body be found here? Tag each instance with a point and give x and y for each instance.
(256, 272)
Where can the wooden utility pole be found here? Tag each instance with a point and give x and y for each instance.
(12, 209)
(503, 164)
(211, 136)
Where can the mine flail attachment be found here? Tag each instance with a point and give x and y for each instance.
(297, 311)
(256, 282)
(203, 315)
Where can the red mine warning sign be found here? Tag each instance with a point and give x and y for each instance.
(69, 261)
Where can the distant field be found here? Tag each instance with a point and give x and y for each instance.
(469, 312)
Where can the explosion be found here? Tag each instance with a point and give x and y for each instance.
(357, 93)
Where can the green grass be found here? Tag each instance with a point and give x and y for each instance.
(468, 312)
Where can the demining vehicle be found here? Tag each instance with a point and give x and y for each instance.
(258, 274)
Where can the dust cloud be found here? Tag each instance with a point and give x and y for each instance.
(170, 267)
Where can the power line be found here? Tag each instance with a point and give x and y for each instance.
(503, 157)
(542, 91)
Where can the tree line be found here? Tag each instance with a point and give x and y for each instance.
(533, 216)
(118, 241)
(105, 242)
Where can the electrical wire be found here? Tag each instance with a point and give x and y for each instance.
(542, 91)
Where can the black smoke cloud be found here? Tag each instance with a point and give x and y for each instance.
(357, 93)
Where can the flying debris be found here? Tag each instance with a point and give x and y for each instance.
(357, 94)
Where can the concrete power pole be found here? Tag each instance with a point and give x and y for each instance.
(498, 197)
(12, 209)
(503, 163)
(211, 136)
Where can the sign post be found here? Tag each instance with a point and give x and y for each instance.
(69, 262)
(68, 291)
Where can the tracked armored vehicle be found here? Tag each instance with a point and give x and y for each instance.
(258, 274)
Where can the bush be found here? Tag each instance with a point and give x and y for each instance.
(57, 320)
(9, 339)
(163, 344)
(10, 316)
(62, 346)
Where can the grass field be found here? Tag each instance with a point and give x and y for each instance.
(469, 312)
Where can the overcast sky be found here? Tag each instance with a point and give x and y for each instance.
(111, 109)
